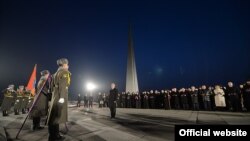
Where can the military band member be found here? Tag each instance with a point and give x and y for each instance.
(58, 111)
(8, 99)
(40, 108)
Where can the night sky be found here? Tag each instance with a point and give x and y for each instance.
(177, 42)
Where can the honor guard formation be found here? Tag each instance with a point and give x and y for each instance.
(49, 101)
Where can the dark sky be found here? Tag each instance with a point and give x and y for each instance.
(177, 42)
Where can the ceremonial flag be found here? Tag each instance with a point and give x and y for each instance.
(32, 82)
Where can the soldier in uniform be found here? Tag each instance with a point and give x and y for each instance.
(145, 100)
(113, 93)
(19, 100)
(24, 99)
(8, 99)
(31, 99)
(40, 108)
(26, 96)
(58, 111)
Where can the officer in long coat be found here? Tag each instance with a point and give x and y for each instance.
(40, 108)
(58, 111)
(8, 99)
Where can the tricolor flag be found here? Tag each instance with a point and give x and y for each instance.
(32, 82)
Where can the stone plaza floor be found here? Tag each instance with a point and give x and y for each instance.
(130, 125)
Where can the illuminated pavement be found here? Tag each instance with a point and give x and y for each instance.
(130, 124)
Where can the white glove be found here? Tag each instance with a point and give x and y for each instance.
(61, 100)
(17, 100)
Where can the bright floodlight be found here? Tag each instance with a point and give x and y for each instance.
(90, 86)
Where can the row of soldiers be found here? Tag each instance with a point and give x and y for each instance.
(204, 98)
(20, 99)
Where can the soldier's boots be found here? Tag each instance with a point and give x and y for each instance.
(36, 124)
(57, 138)
(35, 127)
(54, 134)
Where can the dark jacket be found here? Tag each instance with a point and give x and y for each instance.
(113, 93)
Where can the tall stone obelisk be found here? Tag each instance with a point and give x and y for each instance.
(131, 78)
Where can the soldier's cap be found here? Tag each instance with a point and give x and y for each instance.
(44, 72)
(62, 61)
(21, 86)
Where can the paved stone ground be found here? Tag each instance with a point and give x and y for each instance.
(130, 124)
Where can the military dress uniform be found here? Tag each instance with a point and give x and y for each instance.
(25, 101)
(8, 100)
(58, 111)
(18, 102)
(40, 108)
(31, 99)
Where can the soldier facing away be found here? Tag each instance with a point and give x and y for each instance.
(40, 108)
(58, 111)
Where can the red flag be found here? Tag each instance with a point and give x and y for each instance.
(32, 82)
